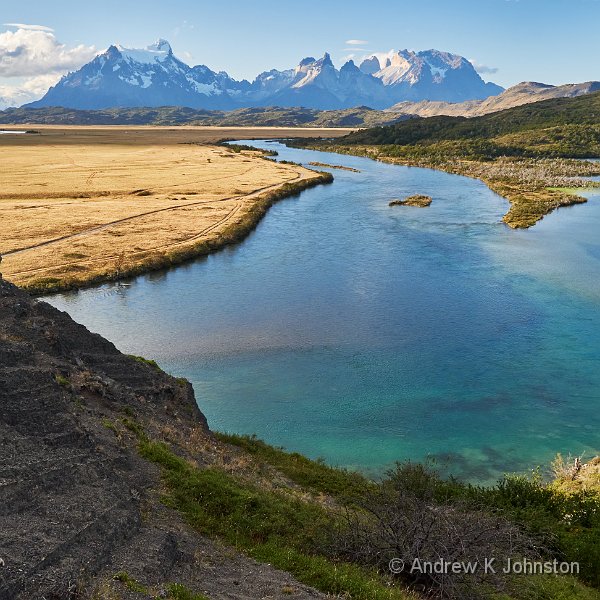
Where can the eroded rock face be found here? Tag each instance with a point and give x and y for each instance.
(69, 493)
(77, 502)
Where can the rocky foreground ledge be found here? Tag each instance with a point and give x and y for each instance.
(78, 504)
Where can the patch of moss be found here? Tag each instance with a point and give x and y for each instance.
(177, 591)
(110, 425)
(132, 584)
(62, 381)
(146, 361)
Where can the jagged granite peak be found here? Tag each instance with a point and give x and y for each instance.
(154, 76)
(321, 71)
(309, 60)
(326, 60)
(349, 65)
(428, 75)
(370, 65)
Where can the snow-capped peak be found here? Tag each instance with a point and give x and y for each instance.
(161, 45)
(157, 52)
(309, 70)
(396, 66)
(153, 76)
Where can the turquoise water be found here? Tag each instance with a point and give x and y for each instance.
(361, 333)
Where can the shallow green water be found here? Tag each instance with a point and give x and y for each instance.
(364, 334)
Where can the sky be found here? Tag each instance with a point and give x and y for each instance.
(552, 41)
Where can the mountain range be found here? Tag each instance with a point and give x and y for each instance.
(154, 76)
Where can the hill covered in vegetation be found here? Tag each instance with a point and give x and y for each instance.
(273, 116)
(563, 127)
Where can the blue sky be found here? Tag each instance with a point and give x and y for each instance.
(554, 41)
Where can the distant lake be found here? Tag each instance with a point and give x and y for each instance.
(361, 333)
(10, 132)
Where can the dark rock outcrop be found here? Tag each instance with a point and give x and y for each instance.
(77, 502)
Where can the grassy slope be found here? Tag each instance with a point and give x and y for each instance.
(286, 529)
(268, 526)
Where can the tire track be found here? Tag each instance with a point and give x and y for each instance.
(97, 228)
(232, 213)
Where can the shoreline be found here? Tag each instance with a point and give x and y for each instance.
(232, 234)
(529, 202)
(137, 199)
(117, 435)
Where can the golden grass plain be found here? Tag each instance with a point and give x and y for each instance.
(85, 204)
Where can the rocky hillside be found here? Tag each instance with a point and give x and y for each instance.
(78, 504)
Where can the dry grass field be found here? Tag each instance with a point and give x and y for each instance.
(85, 204)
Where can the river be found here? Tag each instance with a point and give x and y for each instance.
(346, 329)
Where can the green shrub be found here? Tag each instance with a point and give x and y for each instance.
(270, 527)
(568, 525)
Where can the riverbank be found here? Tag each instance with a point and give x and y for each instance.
(533, 187)
(89, 205)
(456, 249)
(138, 497)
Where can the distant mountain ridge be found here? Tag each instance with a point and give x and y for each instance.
(517, 95)
(154, 76)
(270, 116)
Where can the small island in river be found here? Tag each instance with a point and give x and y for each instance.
(419, 200)
(342, 168)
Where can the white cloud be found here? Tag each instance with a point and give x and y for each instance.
(39, 85)
(483, 69)
(355, 49)
(12, 96)
(31, 52)
(29, 27)
(356, 42)
(36, 59)
(31, 89)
